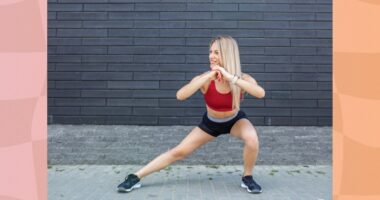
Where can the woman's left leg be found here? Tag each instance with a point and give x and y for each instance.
(244, 130)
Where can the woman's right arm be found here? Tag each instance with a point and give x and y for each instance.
(196, 83)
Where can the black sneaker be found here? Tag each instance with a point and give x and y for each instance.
(251, 185)
(131, 182)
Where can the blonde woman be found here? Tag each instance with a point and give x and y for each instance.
(223, 88)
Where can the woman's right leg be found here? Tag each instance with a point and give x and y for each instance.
(195, 139)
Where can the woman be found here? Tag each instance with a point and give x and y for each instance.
(223, 88)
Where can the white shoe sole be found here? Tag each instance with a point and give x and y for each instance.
(137, 185)
(248, 190)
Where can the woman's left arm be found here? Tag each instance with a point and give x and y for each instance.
(249, 84)
(246, 82)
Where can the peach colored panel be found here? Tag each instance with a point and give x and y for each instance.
(356, 100)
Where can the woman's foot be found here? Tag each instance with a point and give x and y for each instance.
(251, 185)
(131, 182)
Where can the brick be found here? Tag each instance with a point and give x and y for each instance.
(324, 51)
(107, 41)
(52, 15)
(268, 112)
(324, 33)
(81, 50)
(108, 24)
(325, 68)
(81, 84)
(108, 111)
(252, 50)
(294, 103)
(290, 51)
(310, 25)
(325, 85)
(311, 112)
(237, 16)
(238, 33)
(312, 59)
(264, 24)
(278, 94)
(253, 68)
(109, 7)
(289, 16)
(151, 67)
(210, 7)
(197, 59)
(64, 58)
(64, 41)
(290, 68)
(172, 84)
(311, 94)
(160, 7)
(133, 32)
(80, 67)
(82, 1)
(324, 121)
(81, 32)
(133, 84)
(290, 85)
(133, 15)
(304, 121)
(272, 76)
(80, 102)
(324, 103)
(64, 75)
(64, 24)
(311, 42)
(277, 121)
(155, 94)
(264, 59)
(256, 42)
(185, 15)
(175, 50)
(308, 8)
(63, 93)
(181, 104)
(64, 7)
(186, 32)
(52, 32)
(324, 16)
(133, 102)
(158, 76)
(107, 58)
(304, 77)
(290, 33)
(264, 7)
(63, 110)
(211, 24)
(82, 15)
(158, 111)
(325, 77)
(159, 59)
(159, 41)
(133, 50)
(106, 76)
(79, 120)
(107, 93)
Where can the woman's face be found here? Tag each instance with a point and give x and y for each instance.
(214, 55)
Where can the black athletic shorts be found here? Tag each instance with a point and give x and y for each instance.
(218, 128)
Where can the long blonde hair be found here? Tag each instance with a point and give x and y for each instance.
(230, 60)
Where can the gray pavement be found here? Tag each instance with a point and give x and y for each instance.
(176, 182)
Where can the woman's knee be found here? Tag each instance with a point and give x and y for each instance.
(178, 153)
(252, 143)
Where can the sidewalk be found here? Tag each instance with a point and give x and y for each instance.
(190, 182)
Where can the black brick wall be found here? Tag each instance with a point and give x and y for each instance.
(122, 61)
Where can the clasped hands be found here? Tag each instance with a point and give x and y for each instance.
(221, 73)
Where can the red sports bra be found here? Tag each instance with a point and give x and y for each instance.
(218, 101)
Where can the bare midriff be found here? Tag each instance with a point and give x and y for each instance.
(220, 114)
